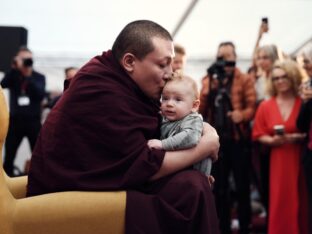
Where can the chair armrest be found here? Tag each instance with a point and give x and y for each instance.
(71, 213)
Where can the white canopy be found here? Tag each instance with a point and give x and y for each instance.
(89, 27)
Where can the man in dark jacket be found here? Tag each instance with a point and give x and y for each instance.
(27, 89)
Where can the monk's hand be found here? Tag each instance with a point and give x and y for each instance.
(154, 144)
(211, 137)
(211, 180)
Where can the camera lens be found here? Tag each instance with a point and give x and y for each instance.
(28, 62)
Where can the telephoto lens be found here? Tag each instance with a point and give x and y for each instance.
(28, 62)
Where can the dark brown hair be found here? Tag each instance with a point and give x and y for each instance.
(136, 38)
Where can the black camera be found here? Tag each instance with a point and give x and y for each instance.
(28, 62)
(217, 71)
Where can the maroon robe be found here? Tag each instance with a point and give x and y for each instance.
(95, 139)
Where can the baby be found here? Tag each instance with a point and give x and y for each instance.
(182, 126)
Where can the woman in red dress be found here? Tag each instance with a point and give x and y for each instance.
(275, 125)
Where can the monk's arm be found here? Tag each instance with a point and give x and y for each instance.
(177, 160)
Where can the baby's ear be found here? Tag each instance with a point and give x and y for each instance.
(195, 105)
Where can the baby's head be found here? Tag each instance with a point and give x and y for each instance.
(180, 97)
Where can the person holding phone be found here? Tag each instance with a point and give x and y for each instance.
(286, 190)
(263, 60)
(264, 28)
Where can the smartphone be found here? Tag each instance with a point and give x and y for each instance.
(265, 24)
(265, 20)
(279, 129)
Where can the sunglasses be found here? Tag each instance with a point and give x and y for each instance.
(282, 78)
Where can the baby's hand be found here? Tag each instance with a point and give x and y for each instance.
(211, 180)
(154, 144)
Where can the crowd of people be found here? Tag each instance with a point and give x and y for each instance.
(130, 119)
(257, 115)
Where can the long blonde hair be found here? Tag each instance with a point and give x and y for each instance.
(271, 51)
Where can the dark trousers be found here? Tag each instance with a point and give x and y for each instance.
(234, 157)
(265, 176)
(307, 163)
(19, 127)
(261, 172)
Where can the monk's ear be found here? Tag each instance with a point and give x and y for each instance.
(128, 61)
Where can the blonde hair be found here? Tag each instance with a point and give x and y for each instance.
(180, 78)
(293, 75)
(271, 51)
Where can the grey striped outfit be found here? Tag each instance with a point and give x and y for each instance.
(183, 134)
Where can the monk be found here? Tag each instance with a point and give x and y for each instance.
(95, 139)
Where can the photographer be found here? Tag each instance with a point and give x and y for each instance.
(228, 100)
(27, 89)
